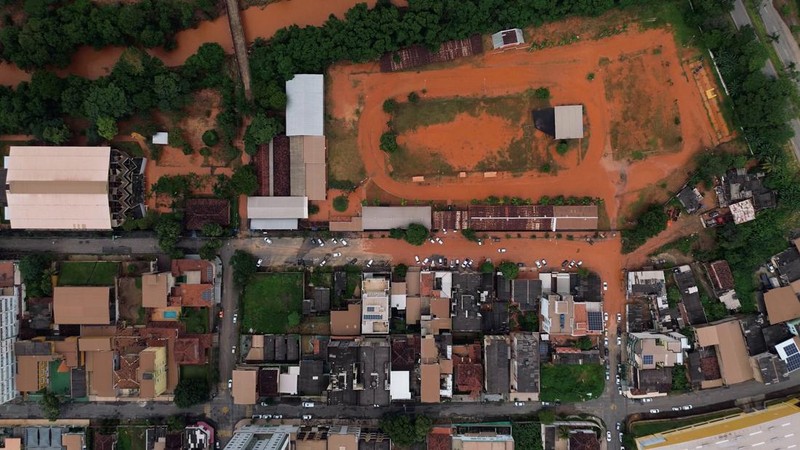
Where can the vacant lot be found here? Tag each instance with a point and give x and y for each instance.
(643, 123)
(195, 319)
(195, 372)
(272, 301)
(443, 136)
(344, 161)
(100, 273)
(131, 438)
(130, 300)
(571, 383)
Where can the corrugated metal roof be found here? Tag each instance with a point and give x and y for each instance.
(569, 122)
(388, 217)
(58, 188)
(277, 208)
(273, 224)
(305, 105)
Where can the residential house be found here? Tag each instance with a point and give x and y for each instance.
(10, 290)
(782, 304)
(375, 311)
(651, 357)
(497, 370)
(727, 339)
(690, 198)
(719, 272)
(436, 368)
(524, 381)
(691, 307)
(563, 316)
(272, 437)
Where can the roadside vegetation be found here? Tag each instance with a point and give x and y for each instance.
(405, 430)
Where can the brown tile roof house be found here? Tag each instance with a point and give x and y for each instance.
(782, 304)
(721, 276)
(347, 322)
(156, 288)
(244, 386)
(728, 339)
(31, 372)
(81, 305)
(191, 269)
(202, 211)
(192, 295)
(100, 374)
(440, 438)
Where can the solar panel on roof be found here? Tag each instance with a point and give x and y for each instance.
(793, 362)
(595, 321)
(372, 316)
(791, 349)
(648, 359)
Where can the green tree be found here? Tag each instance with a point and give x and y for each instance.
(547, 416)
(168, 231)
(106, 101)
(469, 234)
(210, 249)
(170, 90)
(584, 343)
(413, 97)
(244, 181)
(213, 230)
(416, 234)
(400, 271)
(293, 319)
(244, 267)
(680, 382)
(211, 138)
(509, 269)
(542, 93)
(51, 405)
(35, 271)
(390, 106)
(313, 208)
(206, 68)
(487, 267)
(341, 203)
(405, 430)
(56, 133)
(260, 131)
(389, 142)
(107, 128)
(651, 222)
(191, 392)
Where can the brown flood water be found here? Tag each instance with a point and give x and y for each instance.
(259, 22)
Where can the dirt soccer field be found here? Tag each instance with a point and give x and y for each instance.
(644, 119)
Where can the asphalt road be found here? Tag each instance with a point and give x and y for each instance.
(786, 47)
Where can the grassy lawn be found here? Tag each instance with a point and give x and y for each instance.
(131, 438)
(648, 427)
(195, 319)
(194, 372)
(269, 300)
(344, 161)
(571, 383)
(100, 273)
(520, 155)
(59, 381)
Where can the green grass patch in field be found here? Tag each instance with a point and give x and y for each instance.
(344, 159)
(571, 382)
(269, 299)
(59, 381)
(98, 273)
(131, 438)
(684, 245)
(195, 319)
(661, 14)
(195, 372)
(646, 428)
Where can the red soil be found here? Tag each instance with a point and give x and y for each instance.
(564, 71)
(174, 162)
(463, 142)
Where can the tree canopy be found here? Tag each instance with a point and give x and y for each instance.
(405, 430)
(416, 234)
(36, 274)
(244, 267)
(191, 392)
(509, 270)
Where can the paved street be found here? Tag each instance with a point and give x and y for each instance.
(783, 46)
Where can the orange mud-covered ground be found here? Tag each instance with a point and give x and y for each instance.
(464, 142)
(358, 91)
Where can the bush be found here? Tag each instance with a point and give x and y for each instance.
(344, 185)
(341, 203)
(397, 233)
(313, 208)
(469, 234)
(389, 142)
(244, 267)
(400, 271)
(390, 106)
(211, 138)
(413, 97)
(487, 267)
(416, 234)
(191, 392)
(651, 222)
(562, 148)
(542, 93)
(509, 270)
(406, 430)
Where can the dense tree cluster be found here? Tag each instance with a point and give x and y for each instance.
(651, 222)
(365, 34)
(54, 29)
(37, 274)
(191, 392)
(244, 267)
(405, 430)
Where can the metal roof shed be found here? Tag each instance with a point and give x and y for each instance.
(388, 217)
(305, 106)
(569, 121)
(276, 213)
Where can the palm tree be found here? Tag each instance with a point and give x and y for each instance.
(563, 432)
(768, 163)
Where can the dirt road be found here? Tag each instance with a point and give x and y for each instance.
(360, 90)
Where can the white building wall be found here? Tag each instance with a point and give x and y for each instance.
(9, 329)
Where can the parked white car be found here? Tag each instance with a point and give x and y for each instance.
(608, 436)
(308, 404)
(306, 416)
(655, 411)
(268, 240)
(501, 250)
(605, 285)
(336, 254)
(230, 383)
(259, 262)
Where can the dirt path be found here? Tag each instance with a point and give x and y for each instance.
(258, 22)
(360, 90)
(684, 226)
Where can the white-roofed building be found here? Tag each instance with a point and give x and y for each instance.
(71, 188)
(507, 38)
(388, 217)
(276, 213)
(569, 121)
(305, 105)
(400, 387)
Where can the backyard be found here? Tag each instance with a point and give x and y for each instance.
(131, 438)
(571, 383)
(194, 372)
(195, 320)
(95, 273)
(272, 302)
